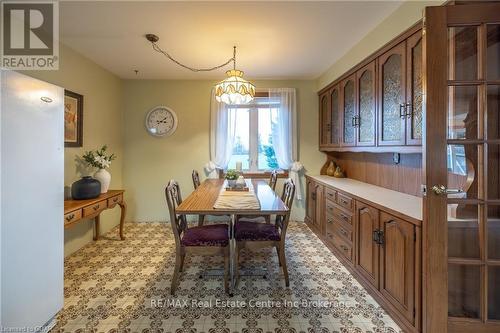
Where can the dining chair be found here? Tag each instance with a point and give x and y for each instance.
(273, 179)
(255, 235)
(211, 239)
(196, 183)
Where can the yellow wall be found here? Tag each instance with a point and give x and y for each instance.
(102, 125)
(404, 17)
(151, 162)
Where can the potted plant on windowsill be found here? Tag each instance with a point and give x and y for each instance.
(231, 177)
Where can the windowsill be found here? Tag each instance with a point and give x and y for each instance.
(257, 175)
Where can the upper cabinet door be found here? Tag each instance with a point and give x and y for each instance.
(392, 100)
(365, 118)
(349, 111)
(414, 111)
(335, 117)
(324, 120)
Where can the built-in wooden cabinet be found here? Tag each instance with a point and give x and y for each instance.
(377, 105)
(367, 250)
(314, 208)
(381, 248)
(397, 241)
(392, 96)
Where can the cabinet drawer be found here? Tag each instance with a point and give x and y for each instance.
(330, 207)
(72, 216)
(342, 231)
(345, 201)
(95, 208)
(114, 200)
(344, 247)
(342, 216)
(330, 194)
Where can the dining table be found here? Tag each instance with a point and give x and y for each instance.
(202, 201)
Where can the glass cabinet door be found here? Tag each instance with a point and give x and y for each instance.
(335, 116)
(365, 118)
(413, 107)
(324, 121)
(392, 101)
(349, 111)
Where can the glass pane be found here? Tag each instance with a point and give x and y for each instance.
(494, 292)
(462, 112)
(462, 170)
(494, 232)
(493, 163)
(417, 91)
(324, 121)
(241, 148)
(493, 106)
(366, 107)
(335, 116)
(463, 291)
(463, 231)
(349, 112)
(267, 156)
(493, 52)
(463, 53)
(392, 98)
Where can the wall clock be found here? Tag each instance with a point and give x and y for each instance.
(161, 121)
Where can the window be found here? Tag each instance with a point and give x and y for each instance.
(253, 143)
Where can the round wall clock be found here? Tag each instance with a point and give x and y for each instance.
(161, 121)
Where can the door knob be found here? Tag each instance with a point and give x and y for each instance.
(441, 189)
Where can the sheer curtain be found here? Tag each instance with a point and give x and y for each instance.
(284, 135)
(222, 134)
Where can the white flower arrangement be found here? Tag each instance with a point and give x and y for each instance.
(98, 158)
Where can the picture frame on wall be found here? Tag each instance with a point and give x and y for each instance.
(73, 119)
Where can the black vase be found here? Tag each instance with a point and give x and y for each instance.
(85, 188)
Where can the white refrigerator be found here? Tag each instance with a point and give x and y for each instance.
(32, 201)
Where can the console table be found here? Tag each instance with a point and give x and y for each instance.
(77, 210)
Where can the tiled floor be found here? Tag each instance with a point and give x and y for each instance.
(124, 286)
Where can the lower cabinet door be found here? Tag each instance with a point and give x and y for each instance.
(367, 250)
(397, 264)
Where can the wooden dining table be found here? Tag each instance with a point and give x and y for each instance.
(202, 201)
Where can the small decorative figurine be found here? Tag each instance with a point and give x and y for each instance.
(330, 171)
(339, 173)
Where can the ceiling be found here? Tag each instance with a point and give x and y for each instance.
(275, 40)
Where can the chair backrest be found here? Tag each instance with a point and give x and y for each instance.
(273, 179)
(287, 197)
(196, 179)
(174, 199)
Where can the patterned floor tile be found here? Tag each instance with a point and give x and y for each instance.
(124, 286)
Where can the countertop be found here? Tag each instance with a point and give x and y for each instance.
(405, 204)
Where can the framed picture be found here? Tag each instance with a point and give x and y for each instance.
(73, 119)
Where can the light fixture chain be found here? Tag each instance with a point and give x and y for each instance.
(158, 49)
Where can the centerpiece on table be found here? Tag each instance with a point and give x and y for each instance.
(235, 181)
(101, 160)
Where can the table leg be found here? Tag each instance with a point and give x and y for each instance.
(123, 207)
(97, 222)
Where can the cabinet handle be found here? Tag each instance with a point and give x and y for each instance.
(358, 121)
(70, 217)
(353, 122)
(344, 248)
(378, 236)
(313, 196)
(329, 221)
(96, 207)
(344, 217)
(409, 110)
(343, 232)
(402, 111)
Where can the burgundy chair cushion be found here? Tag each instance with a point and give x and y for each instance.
(207, 235)
(254, 231)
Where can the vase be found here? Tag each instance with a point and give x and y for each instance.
(103, 176)
(339, 173)
(85, 188)
(331, 169)
(231, 183)
(240, 182)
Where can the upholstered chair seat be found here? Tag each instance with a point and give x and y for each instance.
(255, 231)
(207, 235)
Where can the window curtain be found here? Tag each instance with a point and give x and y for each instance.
(222, 135)
(284, 134)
